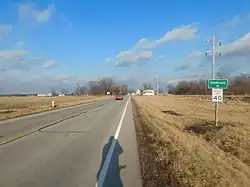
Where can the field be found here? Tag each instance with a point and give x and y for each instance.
(11, 107)
(179, 144)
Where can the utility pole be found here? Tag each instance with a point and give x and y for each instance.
(157, 85)
(120, 88)
(214, 52)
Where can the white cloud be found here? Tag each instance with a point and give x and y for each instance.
(235, 57)
(238, 19)
(192, 60)
(186, 32)
(108, 60)
(12, 60)
(20, 44)
(129, 57)
(4, 29)
(192, 77)
(13, 53)
(143, 48)
(160, 57)
(36, 82)
(29, 12)
(238, 47)
(195, 54)
(49, 64)
(36, 59)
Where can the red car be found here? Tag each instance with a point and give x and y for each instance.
(118, 97)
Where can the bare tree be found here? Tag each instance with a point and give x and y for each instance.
(147, 87)
(95, 87)
(53, 92)
(65, 91)
(77, 90)
(106, 84)
(83, 90)
(124, 89)
(161, 90)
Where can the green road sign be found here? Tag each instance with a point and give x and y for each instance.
(218, 83)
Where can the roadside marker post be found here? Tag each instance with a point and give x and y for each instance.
(53, 104)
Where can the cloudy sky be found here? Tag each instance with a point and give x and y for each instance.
(59, 43)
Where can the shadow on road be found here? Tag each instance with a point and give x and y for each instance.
(113, 178)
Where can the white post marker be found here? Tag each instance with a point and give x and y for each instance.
(217, 95)
(53, 104)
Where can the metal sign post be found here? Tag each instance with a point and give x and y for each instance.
(216, 85)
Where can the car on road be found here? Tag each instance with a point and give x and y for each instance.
(119, 97)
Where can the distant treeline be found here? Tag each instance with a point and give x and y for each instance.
(97, 87)
(238, 85)
(16, 95)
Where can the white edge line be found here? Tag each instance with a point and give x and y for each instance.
(105, 166)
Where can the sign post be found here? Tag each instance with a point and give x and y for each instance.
(217, 86)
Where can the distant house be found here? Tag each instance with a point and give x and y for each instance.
(148, 92)
(41, 95)
(44, 95)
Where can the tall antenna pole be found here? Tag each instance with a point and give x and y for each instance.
(157, 85)
(213, 55)
(214, 52)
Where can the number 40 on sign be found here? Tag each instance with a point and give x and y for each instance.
(217, 95)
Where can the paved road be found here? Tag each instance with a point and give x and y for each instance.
(74, 152)
(15, 128)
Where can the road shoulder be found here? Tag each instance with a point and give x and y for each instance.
(129, 159)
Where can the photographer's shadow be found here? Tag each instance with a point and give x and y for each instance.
(112, 177)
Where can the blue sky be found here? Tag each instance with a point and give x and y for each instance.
(59, 43)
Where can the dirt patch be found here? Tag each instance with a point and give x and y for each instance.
(6, 111)
(171, 112)
(205, 128)
(188, 149)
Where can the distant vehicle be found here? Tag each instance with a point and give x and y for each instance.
(148, 92)
(119, 97)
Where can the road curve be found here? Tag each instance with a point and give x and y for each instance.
(73, 152)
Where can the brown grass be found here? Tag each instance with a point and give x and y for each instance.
(11, 107)
(186, 145)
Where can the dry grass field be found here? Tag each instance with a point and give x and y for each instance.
(11, 107)
(179, 144)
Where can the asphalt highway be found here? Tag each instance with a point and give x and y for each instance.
(89, 145)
